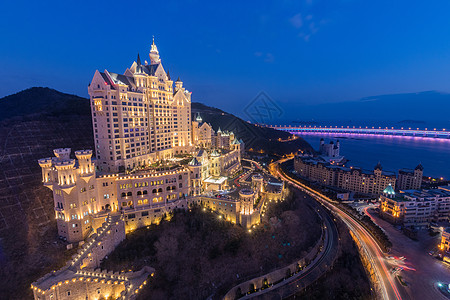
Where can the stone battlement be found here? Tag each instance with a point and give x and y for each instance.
(45, 162)
(65, 164)
(83, 154)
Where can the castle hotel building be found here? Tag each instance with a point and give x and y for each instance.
(149, 160)
(139, 117)
(140, 120)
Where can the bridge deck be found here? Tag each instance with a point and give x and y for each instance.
(431, 133)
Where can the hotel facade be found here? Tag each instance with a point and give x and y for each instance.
(416, 207)
(328, 169)
(149, 160)
(352, 179)
(139, 117)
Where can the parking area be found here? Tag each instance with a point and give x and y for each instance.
(417, 271)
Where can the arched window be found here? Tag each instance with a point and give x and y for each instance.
(180, 177)
(154, 191)
(168, 188)
(139, 193)
(174, 187)
(124, 195)
(129, 194)
(160, 190)
(144, 192)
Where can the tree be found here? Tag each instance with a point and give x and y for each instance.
(238, 293)
(288, 273)
(265, 283)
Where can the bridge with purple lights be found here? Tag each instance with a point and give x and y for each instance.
(367, 130)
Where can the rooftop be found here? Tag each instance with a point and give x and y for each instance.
(216, 180)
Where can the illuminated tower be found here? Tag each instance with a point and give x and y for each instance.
(257, 183)
(195, 177)
(85, 165)
(154, 54)
(74, 193)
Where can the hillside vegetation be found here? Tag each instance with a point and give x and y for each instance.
(255, 137)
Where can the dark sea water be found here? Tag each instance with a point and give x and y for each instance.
(394, 152)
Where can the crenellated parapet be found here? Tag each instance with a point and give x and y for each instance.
(66, 172)
(62, 153)
(247, 197)
(83, 154)
(85, 165)
(47, 174)
(91, 284)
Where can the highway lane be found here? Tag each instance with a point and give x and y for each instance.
(317, 268)
(387, 283)
(420, 271)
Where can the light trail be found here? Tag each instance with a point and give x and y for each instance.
(371, 247)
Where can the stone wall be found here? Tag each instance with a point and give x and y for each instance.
(278, 274)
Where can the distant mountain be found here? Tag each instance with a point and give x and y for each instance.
(429, 107)
(42, 101)
(32, 123)
(254, 136)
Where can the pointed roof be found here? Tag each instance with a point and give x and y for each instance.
(139, 68)
(235, 142)
(199, 118)
(178, 80)
(153, 47)
(194, 162)
(219, 131)
(389, 190)
(138, 61)
(378, 166)
(215, 153)
(419, 167)
(200, 152)
(168, 74)
(241, 141)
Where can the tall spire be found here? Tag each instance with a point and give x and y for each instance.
(154, 54)
(378, 166)
(138, 60)
(138, 65)
(153, 47)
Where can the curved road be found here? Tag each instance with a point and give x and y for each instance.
(387, 285)
(293, 285)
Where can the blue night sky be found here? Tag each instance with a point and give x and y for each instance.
(299, 52)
